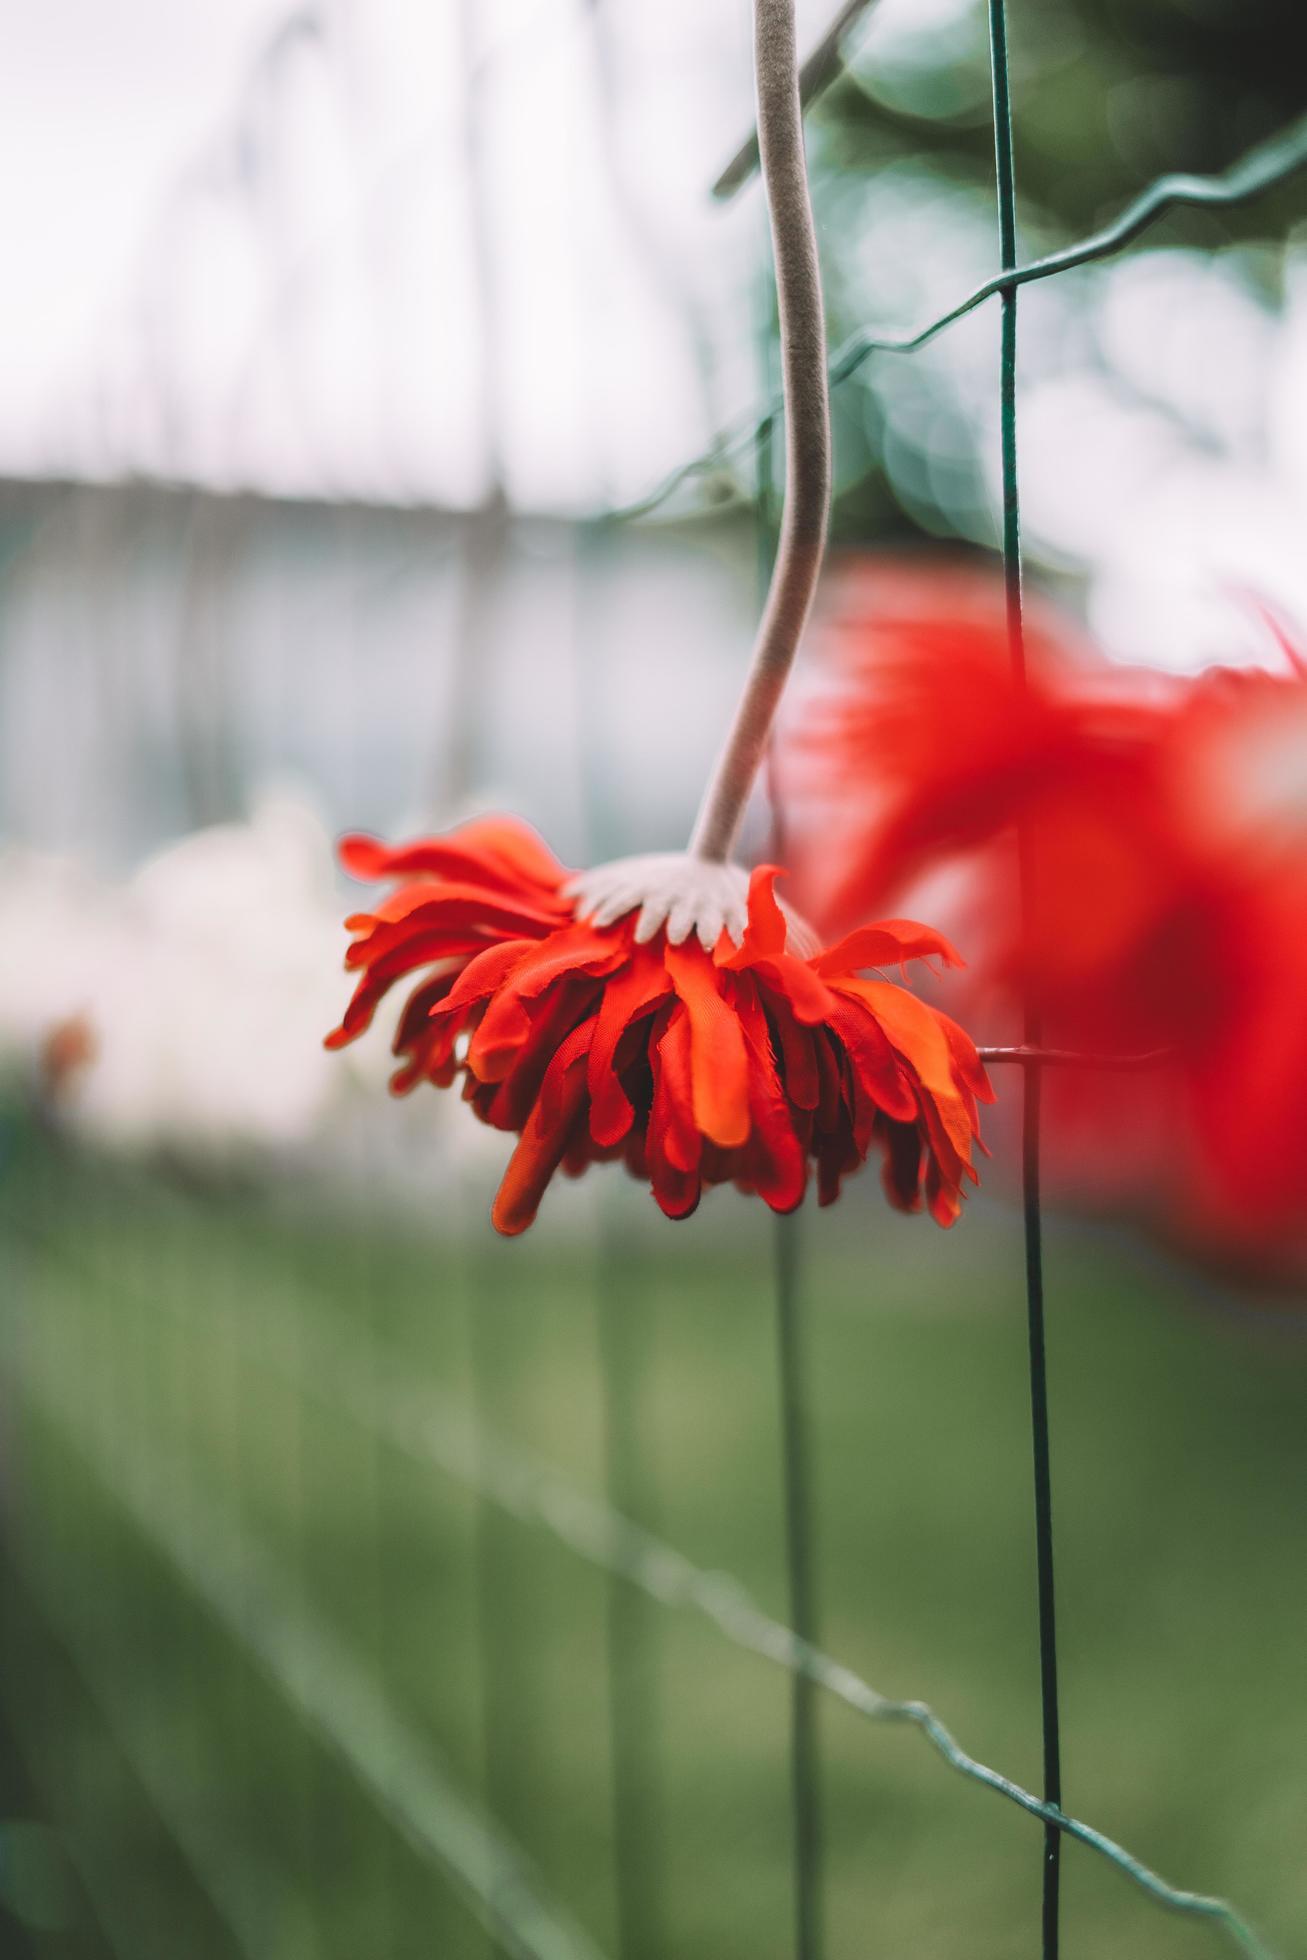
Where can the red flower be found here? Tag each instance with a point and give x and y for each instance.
(1235, 763)
(745, 1065)
(1166, 832)
(926, 745)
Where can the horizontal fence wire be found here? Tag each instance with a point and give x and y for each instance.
(432, 1427)
(335, 1694)
(1262, 167)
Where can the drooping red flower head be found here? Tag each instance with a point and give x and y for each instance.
(745, 1065)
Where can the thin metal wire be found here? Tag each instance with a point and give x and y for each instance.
(434, 1429)
(1032, 1080)
(493, 1604)
(638, 1859)
(1258, 170)
(635, 1754)
(800, 1562)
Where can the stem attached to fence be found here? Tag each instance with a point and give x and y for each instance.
(1032, 1083)
(807, 429)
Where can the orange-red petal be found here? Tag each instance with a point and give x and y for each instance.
(718, 1061)
(888, 943)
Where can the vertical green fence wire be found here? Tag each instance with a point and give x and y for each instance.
(632, 1708)
(805, 1767)
(1032, 1032)
(635, 1759)
(492, 1580)
(487, 547)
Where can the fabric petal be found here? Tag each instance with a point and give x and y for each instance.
(544, 1139)
(874, 1062)
(766, 931)
(497, 850)
(672, 1113)
(720, 1066)
(630, 993)
(776, 1160)
(888, 943)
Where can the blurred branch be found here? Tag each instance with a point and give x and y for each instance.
(815, 76)
(1270, 163)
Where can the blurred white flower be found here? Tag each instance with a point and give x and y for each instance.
(181, 1013)
(200, 989)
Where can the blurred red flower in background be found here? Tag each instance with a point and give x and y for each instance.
(1165, 826)
(745, 1065)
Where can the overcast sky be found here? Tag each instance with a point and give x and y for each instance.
(418, 249)
(241, 239)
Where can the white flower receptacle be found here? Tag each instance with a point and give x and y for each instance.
(676, 892)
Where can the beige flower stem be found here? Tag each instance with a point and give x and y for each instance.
(807, 430)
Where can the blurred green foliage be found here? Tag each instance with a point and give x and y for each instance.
(1107, 95)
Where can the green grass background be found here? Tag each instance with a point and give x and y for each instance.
(192, 1812)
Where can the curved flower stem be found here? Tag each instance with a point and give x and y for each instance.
(807, 429)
